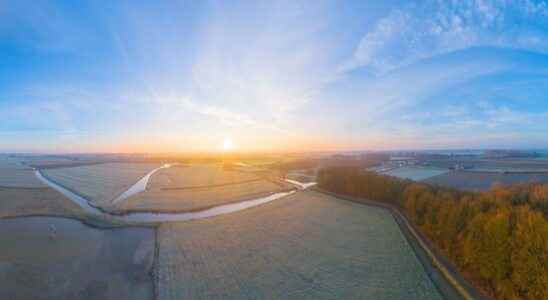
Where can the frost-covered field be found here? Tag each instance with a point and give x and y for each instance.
(195, 187)
(308, 245)
(19, 178)
(180, 200)
(37, 201)
(481, 181)
(416, 173)
(182, 176)
(13, 173)
(56, 258)
(8, 162)
(100, 183)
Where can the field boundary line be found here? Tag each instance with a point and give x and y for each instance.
(5, 187)
(195, 187)
(466, 292)
(155, 272)
(125, 212)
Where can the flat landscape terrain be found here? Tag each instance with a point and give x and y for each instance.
(13, 173)
(416, 172)
(196, 187)
(22, 194)
(197, 199)
(481, 181)
(508, 164)
(19, 178)
(191, 176)
(307, 245)
(36, 201)
(57, 258)
(100, 183)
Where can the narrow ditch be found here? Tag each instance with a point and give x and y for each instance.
(156, 218)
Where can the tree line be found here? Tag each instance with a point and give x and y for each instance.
(498, 239)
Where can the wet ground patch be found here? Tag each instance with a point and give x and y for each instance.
(16, 202)
(60, 258)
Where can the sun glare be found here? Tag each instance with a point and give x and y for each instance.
(227, 144)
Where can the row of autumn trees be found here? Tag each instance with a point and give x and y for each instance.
(498, 238)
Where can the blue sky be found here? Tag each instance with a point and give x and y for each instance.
(273, 75)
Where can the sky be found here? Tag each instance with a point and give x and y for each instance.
(184, 76)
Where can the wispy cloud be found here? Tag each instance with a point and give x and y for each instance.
(269, 65)
(429, 28)
(354, 73)
(226, 116)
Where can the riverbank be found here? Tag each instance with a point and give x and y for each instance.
(148, 218)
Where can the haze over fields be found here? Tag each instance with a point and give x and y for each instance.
(180, 76)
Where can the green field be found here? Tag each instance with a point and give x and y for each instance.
(307, 245)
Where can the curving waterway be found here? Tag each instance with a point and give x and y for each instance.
(139, 186)
(148, 218)
(301, 185)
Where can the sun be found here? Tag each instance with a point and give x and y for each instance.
(227, 144)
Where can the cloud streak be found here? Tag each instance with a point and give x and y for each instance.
(278, 72)
(430, 28)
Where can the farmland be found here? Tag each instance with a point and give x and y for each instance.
(476, 163)
(503, 229)
(22, 194)
(188, 176)
(100, 183)
(57, 258)
(13, 173)
(415, 172)
(303, 246)
(21, 178)
(39, 201)
(467, 172)
(480, 181)
(196, 199)
(195, 187)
